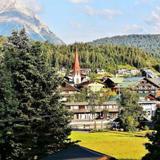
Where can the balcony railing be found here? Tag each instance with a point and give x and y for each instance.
(95, 110)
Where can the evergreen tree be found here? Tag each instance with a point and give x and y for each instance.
(154, 146)
(8, 108)
(43, 120)
(131, 113)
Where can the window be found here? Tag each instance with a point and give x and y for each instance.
(81, 107)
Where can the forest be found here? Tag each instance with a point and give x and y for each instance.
(148, 42)
(108, 57)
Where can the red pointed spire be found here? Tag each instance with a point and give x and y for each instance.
(76, 65)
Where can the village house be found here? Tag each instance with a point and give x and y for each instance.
(127, 72)
(82, 110)
(67, 90)
(148, 73)
(112, 83)
(143, 86)
(149, 108)
(85, 113)
(148, 86)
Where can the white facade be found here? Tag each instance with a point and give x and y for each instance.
(149, 107)
(77, 78)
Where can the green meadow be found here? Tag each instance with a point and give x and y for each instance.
(121, 145)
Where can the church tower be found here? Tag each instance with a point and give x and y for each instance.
(76, 69)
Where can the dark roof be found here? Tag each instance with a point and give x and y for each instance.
(83, 84)
(68, 87)
(78, 153)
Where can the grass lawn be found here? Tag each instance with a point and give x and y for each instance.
(123, 146)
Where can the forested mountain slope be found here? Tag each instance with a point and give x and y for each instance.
(107, 57)
(150, 43)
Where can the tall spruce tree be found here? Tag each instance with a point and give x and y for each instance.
(8, 108)
(154, 146)
(42, 124)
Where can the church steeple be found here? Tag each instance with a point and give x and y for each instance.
(76, 65)
(76, 69)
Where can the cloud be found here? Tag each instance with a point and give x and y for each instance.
(21, 4)
(105, 13)
(132, 29)
(154, 20)
(79, 1)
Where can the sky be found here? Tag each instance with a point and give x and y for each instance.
(87, 20)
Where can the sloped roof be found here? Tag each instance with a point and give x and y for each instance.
(117, 80)
(67, 87)
(155, 81)
(130, 82)
(86, 83)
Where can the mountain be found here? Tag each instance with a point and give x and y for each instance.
(149, 43)
(15, 17)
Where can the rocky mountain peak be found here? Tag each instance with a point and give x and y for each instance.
(14, 15)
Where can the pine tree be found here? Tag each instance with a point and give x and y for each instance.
(43, 120)
(154, 146)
